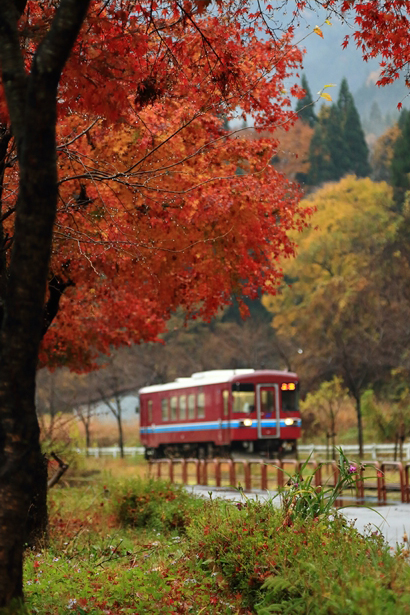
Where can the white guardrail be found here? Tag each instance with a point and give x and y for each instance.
(374, 451)
(111, 451)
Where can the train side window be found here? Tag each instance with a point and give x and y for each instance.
(225, 399)
(243, 395)
(191, 406)
(182, 407)
(164, 409)
(200, 403)
(149, 414)
(174, 402)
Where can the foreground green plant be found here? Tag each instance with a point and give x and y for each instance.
(154, 504)
(304, 499)
(313, 565)
(115, 548)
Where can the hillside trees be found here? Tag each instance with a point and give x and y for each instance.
(325, 405)
(343, 313)
(113, 212)
(338, 145)
(400, 161)
(382, 154)
(292, 154)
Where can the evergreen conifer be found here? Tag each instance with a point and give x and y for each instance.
(400, 165)
(338, 145)
(326, 148)
(355, 146)
(305, 106)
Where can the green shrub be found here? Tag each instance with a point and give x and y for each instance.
(154, 504)
(309, 565)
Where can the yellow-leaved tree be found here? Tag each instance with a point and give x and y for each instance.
(336, 313)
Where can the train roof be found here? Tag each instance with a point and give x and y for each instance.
(216, 376)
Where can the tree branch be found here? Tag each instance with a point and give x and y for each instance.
(12, 64)
(56, 287)
(62, 468)
(56, 46)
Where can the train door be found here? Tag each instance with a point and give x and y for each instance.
(267, 406)
(224, 420)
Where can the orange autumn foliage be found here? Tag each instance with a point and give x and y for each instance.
(151, 215)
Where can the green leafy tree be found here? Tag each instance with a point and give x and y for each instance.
(325, 403)
(305, 106)
(391, 418)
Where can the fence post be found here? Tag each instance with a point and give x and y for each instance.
(264, 476)
(360, 484)
(203, 473)
(232, 473)
(399, 466)
(217, 463)
(247, 472)
(379, 482)
(184, 471)
(279, 464)
(197, 471)
(406, 484)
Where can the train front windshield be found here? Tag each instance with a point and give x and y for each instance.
(290, 396)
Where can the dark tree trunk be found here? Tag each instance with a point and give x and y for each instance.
(359, 426)
(37, 518)
(87, 436)
(31, 100)
(120, 434)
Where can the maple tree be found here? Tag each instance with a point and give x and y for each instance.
(147, 74)
(383, 30)
(119, 194)
(161, 184)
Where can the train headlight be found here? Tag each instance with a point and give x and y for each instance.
(247, 422)
(289, 422)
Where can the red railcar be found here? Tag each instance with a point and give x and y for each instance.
(216, 412)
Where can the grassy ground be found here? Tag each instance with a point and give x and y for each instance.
(120, 543)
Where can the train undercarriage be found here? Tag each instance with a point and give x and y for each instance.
(271, 449)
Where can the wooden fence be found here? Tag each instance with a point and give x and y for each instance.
(386, 477)
(371, 451)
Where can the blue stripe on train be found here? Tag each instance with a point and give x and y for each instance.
(213, 425)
